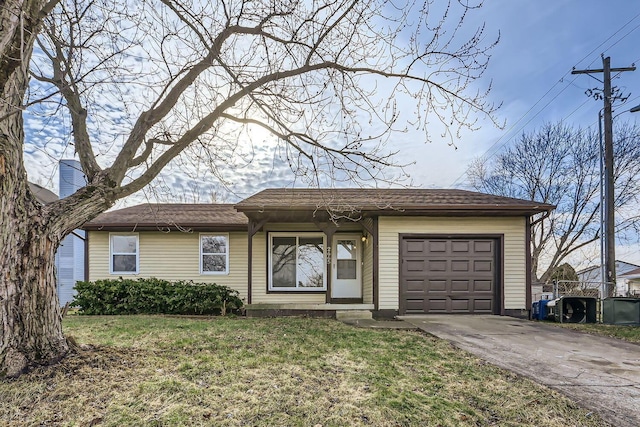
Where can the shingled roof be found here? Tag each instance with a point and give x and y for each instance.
(42, 195)
(633, 274)
(211, 217)
(229, 217)
(401, 201)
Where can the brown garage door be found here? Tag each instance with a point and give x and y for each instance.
(448, 275)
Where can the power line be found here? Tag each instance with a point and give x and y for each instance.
(497, 145)
(626, 35)
(494, 148)
(577, 108)
(609, 258)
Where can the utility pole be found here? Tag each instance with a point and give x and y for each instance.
(609, 193)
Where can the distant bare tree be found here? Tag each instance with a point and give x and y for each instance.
(163, 79)
(560, 164)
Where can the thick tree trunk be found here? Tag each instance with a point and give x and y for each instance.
(30, 320)
(29, 308)
(31, 329)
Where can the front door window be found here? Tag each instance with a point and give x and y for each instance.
(346, 278)
(347, 259)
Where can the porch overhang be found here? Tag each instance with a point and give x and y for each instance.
(327, 222)
(293, 216)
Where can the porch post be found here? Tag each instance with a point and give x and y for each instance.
(252, 229)
(250, 260)
(328, 229)
(376, 263)
(528, 266)
(373, 232)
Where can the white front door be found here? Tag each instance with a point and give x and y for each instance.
(346, 281)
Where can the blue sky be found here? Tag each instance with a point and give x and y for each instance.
(540, 42)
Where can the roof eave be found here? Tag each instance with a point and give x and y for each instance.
(629, 277)
(128, 227)
(411, 210)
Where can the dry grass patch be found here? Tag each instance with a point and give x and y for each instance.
(152, 370)
(630, 333)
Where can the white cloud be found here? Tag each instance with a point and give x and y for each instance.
(538, 46)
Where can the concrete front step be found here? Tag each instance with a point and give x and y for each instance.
(309, 306)
(353, 315)
(306, 309)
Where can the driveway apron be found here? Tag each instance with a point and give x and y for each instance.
(599, 373)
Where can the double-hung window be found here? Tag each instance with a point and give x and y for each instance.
(124, 250)
(214, 253)
(297, 262)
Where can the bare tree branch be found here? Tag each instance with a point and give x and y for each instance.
(558, 164)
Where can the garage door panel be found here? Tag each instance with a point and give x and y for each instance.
(460, 305)
(480, 266)
(483, 246)
(415, 265)
(460, 246)
(415, 285)
(449, 305)
(436, 265)
(413, 246)
(460, 286)
(482, 286)
(436, 246)
(436, 306)
(436, 285)
(448, 275)
(482, 306)
(460, 265)
(415, 305)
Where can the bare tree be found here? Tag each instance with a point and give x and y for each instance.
(559, 164)
(188, 77)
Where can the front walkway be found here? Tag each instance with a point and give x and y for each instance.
(598, 373)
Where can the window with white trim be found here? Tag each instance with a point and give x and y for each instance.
(297, 262)
(123, 253)
(214, 254)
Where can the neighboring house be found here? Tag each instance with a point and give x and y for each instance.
(71, 253)
(593, 275)
(70, 257)
(316, 251)
(43, 196)
(631, 283)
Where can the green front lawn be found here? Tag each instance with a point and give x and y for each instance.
(153, 370)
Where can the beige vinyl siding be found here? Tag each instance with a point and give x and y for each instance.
(514, 256)
(367, 272)
(259, 293)
(367, 264)
(98, 255)
(175, 256)
(172, 256)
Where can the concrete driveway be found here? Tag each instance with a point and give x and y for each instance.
(599, 373)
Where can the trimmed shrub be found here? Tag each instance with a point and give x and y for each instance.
(154, 296)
